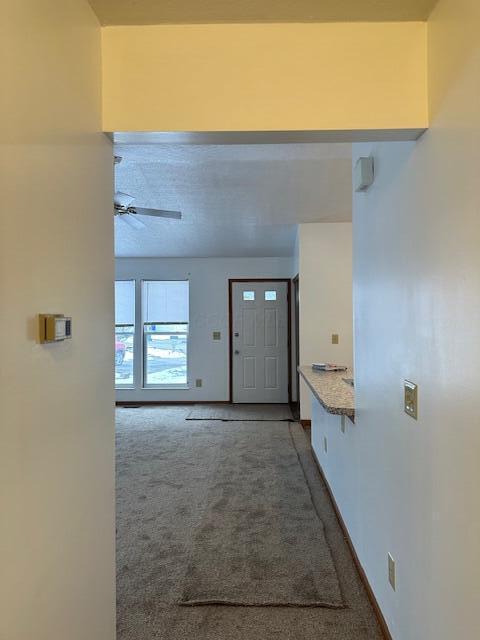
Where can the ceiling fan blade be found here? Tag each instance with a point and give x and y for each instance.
(132, 220)
(123, 199)
(159, 213)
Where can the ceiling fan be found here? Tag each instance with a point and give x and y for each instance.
(123, 209)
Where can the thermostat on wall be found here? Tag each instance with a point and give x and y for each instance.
(54, 327)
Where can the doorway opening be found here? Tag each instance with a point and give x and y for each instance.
(207, 494)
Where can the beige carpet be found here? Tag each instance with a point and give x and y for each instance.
(241, 412)
(167, 469)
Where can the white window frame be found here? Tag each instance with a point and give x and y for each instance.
(119, 385)
(146, 385)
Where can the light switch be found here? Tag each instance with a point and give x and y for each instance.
(411, 399)
(334, 338)
(217, 335)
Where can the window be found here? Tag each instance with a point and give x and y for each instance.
(270, 295)
(249, 295)
(124, 332)
(165, 332)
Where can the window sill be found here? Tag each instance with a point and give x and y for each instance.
(166, 387)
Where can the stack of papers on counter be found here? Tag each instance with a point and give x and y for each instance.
(327, 366)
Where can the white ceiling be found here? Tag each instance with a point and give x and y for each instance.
(236, 200)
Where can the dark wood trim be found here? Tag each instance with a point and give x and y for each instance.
(295, 410)
(363, 576)
(230, 340)
(230, 329)
(296, 311)
(289, 337)
(129, 403)
(306, 423)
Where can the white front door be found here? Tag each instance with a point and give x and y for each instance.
(260, 341)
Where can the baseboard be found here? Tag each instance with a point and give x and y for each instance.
(306, 423)
(136, 403)
(363, 576)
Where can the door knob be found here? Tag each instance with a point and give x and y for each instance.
(237, 352)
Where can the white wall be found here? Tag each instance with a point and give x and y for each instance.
(325, 267)
(56, 401)
(410, 487)
(207, 358)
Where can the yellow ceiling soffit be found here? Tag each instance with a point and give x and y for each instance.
(265, 77)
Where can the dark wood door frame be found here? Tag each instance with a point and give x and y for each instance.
(231, 281)
(296, 288)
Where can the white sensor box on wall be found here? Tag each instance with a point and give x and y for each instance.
(363, 174)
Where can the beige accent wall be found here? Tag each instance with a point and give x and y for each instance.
(325, 269)
(264, 77)
(56, 401)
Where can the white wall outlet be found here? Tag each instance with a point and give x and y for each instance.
(325, 444)
(391, 571)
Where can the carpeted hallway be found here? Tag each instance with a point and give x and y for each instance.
(225, 531)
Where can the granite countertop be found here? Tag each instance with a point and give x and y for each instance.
(333, 393)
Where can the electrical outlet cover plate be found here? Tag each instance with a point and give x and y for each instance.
(411, 399)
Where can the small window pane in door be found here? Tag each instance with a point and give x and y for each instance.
(270, 295)
(249, 295)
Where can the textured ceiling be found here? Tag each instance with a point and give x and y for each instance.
(123, 12)
(236, 200)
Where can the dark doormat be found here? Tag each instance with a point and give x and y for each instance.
(242, 412)
(260, 541)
